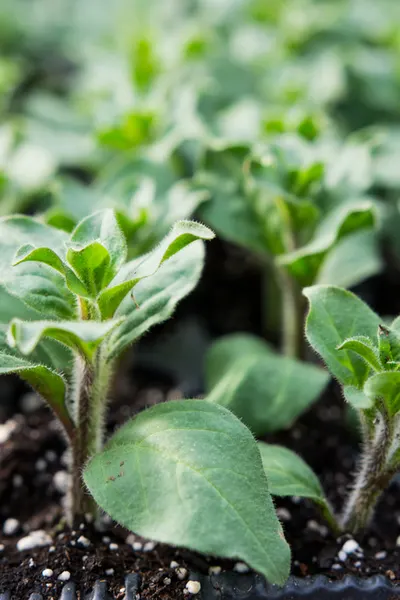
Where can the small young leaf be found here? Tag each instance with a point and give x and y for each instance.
(194, 476)
(304, 263)
(50, 385)
(91, 263)
(182, 234)
(103, 227)
(82, 336)
(156, 297)
(28, 253)
(389, 345)
(267, 391)
(363, 346)
(385, 386)
(335, 315)
(288, 474)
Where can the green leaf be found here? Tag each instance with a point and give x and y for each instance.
(267, 391)
(357, 398)
(289, 475)
(49, 384)
(389, 345)
(91, 263)
(103, 227)
(233, 216)
(304, 264)
(22, 231)
(385, 386)
(44, 290)
(363, 346)
(194, 476)
(352, 260)
(40, 286)
(156, 297)
(182, 235)
(28, 253)
(334, 316)
(81, 336)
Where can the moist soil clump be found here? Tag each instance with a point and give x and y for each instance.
(31, 490)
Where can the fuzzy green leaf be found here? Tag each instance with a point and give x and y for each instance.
(49, 384)
(192, 476)
(363, 346)
(304, 263)
(28, 253)
(81, 336)
(267, 391)
(334, 316)
(182, 235)
(385, 386)
(157, 296)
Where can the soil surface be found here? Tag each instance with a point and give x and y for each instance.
(33, 469)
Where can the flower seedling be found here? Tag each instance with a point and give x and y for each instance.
(363, 354)
(273, 203)
(185, 472)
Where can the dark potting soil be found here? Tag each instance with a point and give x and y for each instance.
(31, 491)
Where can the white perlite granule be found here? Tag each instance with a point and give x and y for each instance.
(10, 526)
(35, 539)
(64, 576)
(193, 587)
(241, 567)
(47, 573)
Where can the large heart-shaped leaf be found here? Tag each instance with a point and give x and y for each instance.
(157, 296)
(83, 337)
(303, 264)
(189, 473)
(334, 316)
(267, 391)
(182, 235)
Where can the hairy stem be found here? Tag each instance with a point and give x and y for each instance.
(89, 408)
(373, 477)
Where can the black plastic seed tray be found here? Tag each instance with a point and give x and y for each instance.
(231, 586)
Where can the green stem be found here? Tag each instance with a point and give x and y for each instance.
(372, 479)
(329, 516)
(292, 316)
(89, 407)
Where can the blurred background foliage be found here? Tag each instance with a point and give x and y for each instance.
(121, 104)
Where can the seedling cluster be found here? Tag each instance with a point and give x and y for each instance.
(267, 122)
